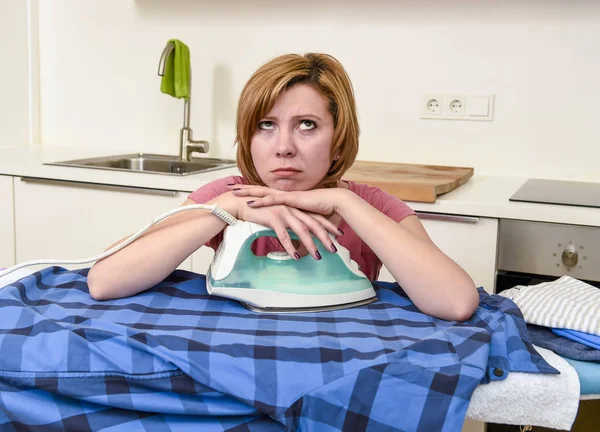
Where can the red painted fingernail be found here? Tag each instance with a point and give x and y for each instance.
(296, 255)
(249, 202)
(333, 248)
(340, 231)
(318, 255)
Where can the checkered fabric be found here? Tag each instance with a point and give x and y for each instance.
(174, 358)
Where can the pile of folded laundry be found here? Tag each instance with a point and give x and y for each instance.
(564, 316)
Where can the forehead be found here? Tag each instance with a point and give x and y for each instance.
(300, 99)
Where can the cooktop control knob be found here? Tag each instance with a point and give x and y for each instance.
(569, 256)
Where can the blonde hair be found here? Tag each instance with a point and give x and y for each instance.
(326, 75)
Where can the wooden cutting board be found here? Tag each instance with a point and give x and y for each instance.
(410, 182)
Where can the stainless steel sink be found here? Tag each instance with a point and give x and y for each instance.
(150, 163)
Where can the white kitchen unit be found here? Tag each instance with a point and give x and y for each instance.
(59, 219)
(201, 259)
(7, 222)
(470, 241)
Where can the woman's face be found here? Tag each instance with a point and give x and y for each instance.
(292, 143)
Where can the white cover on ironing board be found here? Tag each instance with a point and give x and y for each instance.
(530, 399)
(16, 275)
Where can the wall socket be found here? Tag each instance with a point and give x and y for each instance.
(457, 107)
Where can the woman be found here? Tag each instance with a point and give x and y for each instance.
(297, 134)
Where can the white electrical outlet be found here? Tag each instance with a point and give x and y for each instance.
(431, 106)
(454, 106)
(457, 107)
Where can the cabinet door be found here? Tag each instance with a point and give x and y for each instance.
(7, 222)
(201, 259)
(57, 219)
(469, 241)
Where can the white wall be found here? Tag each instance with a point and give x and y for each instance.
(540, 58)
(14, 78)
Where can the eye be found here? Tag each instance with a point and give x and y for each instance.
(266, 125)
(307, 125)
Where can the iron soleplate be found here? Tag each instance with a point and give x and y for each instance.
(290, 310)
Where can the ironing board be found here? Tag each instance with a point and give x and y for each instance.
(54, 288)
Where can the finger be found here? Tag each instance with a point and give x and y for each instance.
(270, 200)
(303, 233)
(303, 226)
(242, 186)
(315, 227)
(330, 226)
(254, 191)
(284, 238)
(336, 219)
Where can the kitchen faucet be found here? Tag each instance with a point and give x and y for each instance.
(187, 145)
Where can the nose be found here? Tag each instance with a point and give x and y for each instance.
(286, 147)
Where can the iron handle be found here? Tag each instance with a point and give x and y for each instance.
(447, 217)
(96, 186)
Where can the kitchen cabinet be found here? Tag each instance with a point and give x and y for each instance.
(201, 259)
(56, 219)
(7, 222)
(469, 241)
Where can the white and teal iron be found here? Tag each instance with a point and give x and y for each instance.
(280, 284)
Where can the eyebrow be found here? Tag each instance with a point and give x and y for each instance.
(300, 116)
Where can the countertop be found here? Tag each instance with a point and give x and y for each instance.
(484, 196)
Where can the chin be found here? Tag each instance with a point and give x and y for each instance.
(289, 185)
(285, 185)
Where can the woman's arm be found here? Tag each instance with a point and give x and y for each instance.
(153, 256)
(436, 284)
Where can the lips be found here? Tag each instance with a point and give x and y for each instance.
(286, 170)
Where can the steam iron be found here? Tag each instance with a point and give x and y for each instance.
(280, 284)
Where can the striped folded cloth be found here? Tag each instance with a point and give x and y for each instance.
(565, 303)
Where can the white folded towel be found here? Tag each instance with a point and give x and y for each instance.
(565, 303)
(530, 399)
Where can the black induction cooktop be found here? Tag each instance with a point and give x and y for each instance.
(562, 192)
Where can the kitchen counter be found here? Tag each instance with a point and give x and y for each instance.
(29, 163)
(485, 196)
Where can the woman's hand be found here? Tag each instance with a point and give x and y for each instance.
(320, 201)
(281, 217)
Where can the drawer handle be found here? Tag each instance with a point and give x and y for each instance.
(112, 188)
(447, 217)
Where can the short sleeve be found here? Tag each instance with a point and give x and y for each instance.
(209, 192)
(394, 208)
(389, 205)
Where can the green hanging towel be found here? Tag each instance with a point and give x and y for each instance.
(176, 79)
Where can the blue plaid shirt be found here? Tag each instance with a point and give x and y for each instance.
(175, 358)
